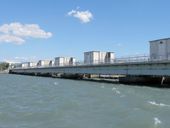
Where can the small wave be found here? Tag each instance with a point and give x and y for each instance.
(157, 121)
(115, 90)
(118, 92)
(55, 83)
(158, 104)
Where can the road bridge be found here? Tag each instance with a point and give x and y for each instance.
(160, 68)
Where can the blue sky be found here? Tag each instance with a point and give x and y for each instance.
(121, 26)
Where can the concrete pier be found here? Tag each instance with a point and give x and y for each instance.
(139, 73)
(155, 81)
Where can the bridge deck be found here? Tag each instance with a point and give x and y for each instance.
(160, 68)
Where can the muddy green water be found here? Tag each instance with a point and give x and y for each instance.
(37, 102)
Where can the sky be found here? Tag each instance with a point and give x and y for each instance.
(44, 29)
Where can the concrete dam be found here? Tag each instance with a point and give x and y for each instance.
(156, 73)
(151, 70)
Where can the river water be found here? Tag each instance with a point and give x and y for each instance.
(37, 102)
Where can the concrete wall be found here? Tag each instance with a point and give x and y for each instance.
(145, 68)
(24, 65)
(43, 63)
(51, 63)
(98, 57)
(72, 61)
(64, 61)
(32, 64)
(160, 49)
(110, 57)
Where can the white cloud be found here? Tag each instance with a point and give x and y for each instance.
(17, 32)
(11, 38)
(83, 16)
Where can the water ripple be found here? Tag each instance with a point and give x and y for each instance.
(158, 104)
(157, 121)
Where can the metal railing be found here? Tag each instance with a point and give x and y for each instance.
(130, 59)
